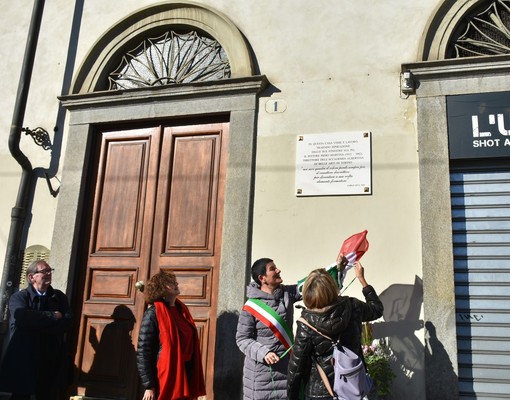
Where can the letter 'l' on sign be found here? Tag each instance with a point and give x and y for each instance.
(476, 130)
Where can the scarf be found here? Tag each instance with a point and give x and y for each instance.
(172, 378)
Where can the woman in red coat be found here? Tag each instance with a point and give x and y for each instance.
(168, 354)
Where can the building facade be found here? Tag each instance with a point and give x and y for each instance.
(171, 135)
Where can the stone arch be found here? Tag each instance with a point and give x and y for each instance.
(441, 26)
(121, 37)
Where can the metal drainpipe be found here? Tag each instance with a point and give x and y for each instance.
(12, 264)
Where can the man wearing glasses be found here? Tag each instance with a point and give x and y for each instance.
(39, 318)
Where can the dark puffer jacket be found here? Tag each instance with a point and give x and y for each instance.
(342, 320)
(148, 349)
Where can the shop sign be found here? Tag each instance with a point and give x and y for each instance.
(479, 125)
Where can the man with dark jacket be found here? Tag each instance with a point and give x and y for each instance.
(39, 318)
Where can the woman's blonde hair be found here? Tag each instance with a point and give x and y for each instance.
(156, 287)
(319, 290)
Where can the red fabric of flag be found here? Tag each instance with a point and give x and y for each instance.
(354, 247)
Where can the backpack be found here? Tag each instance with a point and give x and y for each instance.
(351, 380)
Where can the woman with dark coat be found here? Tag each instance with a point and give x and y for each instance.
(339, 317)
(168, 355)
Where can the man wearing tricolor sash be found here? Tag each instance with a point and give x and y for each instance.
(264, 332)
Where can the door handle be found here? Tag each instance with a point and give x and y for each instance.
(140, 286)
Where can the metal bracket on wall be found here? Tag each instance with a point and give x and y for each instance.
(40, 136)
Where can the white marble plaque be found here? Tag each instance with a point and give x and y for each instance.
(334, 164)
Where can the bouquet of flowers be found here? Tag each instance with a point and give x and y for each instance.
(377, 357)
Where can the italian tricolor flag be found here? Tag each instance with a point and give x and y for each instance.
(354, 247)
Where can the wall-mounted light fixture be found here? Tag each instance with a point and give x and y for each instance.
(407, 83)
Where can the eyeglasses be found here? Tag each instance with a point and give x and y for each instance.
(47, 271)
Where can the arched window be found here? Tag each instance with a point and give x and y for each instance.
(166, 44)
(484, 31)
(171, 58)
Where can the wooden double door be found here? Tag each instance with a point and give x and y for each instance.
(157, 203)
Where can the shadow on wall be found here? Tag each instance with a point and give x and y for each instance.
(114, 353)
(402, 305)
(228, 365)
(442, 377)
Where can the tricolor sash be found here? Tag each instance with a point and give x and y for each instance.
(271, 319)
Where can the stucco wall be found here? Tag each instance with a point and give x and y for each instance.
(335, 64)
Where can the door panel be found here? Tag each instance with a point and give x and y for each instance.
(158, 204)
(187, 228)
(118, 257)
(191, 193)
(122, 192)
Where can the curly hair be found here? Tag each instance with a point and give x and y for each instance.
(156, 287)
(319, 290)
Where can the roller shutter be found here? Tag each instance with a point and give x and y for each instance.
(480, 199)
